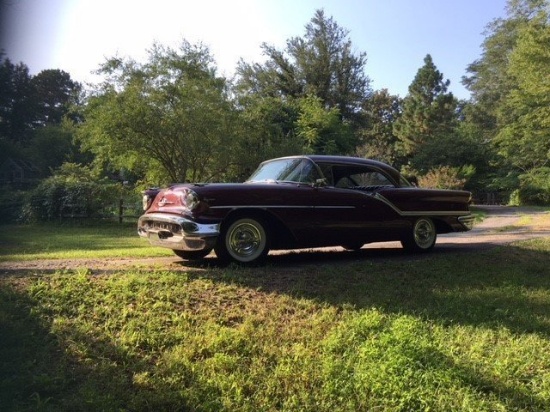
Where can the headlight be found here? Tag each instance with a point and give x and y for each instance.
(148, 197)
(190, 199)
(146, 202)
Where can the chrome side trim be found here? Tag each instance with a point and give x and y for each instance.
(279, 207)
(378, 196)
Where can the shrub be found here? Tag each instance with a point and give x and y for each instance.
(12, 202)
(443, 177)
(71, 192)
(534, 188)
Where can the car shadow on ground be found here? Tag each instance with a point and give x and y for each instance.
(336, 255)
(492, 287)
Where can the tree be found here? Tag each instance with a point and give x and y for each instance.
(377, 140)
(17, 112)
(524, 116)
(267, 130)
(169, 119)
(51, 146)
(32, 109)
(53, 93)
(321, 64)
(322, 129)
(489, 79)
(28, 102)
(429, 110)
(510, 94)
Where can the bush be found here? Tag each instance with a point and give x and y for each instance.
(72, 192)
(12, 202)
(443, 177)
(534, 188)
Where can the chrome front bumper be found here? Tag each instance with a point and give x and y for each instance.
(177, 233)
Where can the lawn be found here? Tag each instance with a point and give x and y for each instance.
(65, 241)
(464, 331)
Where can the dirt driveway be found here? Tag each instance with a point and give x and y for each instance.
(502, 225)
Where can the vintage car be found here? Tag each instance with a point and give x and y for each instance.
(301, 202)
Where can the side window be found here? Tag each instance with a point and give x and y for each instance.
(365, 179)
(326, 169)
(372, 179)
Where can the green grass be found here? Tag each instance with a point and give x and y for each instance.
(108, 240)
(450, 331)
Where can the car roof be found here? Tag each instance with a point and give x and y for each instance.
(350, 160)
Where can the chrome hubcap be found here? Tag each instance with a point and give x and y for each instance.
(424, 233)
(245, 239)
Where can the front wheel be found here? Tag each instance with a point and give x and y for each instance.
(422, 236)
(244, 240)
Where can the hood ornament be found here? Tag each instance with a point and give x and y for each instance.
(164, 202)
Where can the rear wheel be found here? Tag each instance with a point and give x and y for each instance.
(422, 237)
(192, 255)
(244, 240)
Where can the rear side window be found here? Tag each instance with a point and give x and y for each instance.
(372, 179)
(364, 179)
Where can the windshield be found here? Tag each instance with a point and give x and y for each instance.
(299, 170)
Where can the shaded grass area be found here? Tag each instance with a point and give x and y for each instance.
(47, 241)
(462, 332)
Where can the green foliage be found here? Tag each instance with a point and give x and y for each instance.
(534, 188)
(524, 136)
(30, 102)
(460, 149)
(50, 147)
(377, 140)
(509, 86)
(428, 110)
(267, 130)
(445, 177)
(16, 103)
(31, 112)
(320, 65)
(72, 192)
(12, 202)
(54, 93)
(489, 78)
(173, 119)
(321, 128)
(169, 118)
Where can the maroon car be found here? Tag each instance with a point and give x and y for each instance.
(301, 202)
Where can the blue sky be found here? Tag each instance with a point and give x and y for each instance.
(78, 35)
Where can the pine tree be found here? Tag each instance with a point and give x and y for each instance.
(428, 110)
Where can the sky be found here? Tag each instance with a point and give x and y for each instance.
(77, 36)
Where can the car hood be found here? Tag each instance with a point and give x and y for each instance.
(173, 199)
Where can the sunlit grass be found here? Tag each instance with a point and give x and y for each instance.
(541, 219)
(445, 332)
(32, 242)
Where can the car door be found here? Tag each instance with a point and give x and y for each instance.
(349, 211)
